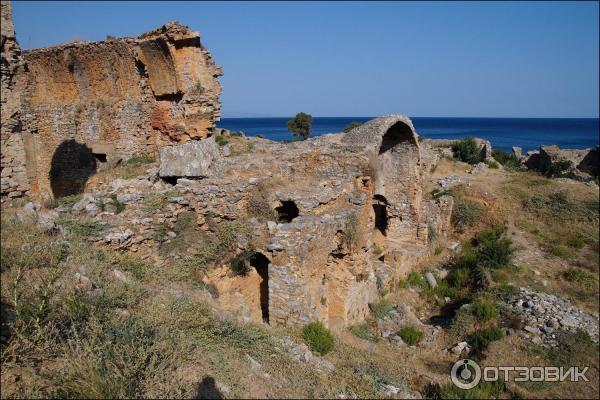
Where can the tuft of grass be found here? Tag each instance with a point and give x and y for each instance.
(467, 150)
(484, 390)
(466, 213)
(69, 201)
(350, 236)
(364, 331)
(318, 338)
(140, 159)
(485, 310)
(491, 164)
(259, 205)
(410, 335)
(580, 276)
(414, 279)
(352, 125)
(381, 309)
(576, 242)
(462, 322)
(508, 160)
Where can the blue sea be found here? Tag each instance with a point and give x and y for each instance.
(503, 133)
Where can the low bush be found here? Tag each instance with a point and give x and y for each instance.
(508, 160)
(459, 277)
(414, 279)
(410, 335)
(221, 140)
(364, 331)
(483, 337)
(558, 168)
(381, 309)
(467, 150)
(485, 310)
(462, 322)
(240, 265)
(491, 164)
(494, 249)
(352, 125)
(466, 213)
(318, 338)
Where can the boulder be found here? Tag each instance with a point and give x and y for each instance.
(192, 159)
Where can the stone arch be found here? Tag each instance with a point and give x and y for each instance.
(71, 166)
(397, 133)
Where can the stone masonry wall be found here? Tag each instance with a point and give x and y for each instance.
(82, 104)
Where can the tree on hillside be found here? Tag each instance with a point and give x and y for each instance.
(301, 125)
(352, 125)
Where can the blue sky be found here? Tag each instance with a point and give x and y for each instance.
(537, 59)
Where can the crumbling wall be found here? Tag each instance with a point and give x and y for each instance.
(14, 177)
(103, 102)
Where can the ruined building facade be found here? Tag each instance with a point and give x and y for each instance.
(69, 109)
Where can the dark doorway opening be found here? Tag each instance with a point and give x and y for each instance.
(71, 166)
(287, 211)
(261, 263)
(397, 133)
(101, 158)
(381, 218)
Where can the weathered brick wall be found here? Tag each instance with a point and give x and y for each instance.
(102, 102)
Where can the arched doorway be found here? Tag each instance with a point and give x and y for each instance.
(242, 264)
(71, 166)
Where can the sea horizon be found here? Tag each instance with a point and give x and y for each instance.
(529, 133)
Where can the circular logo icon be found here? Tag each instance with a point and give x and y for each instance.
(465, 374)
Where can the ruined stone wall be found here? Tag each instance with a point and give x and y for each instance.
(83, 104)
(14, 177)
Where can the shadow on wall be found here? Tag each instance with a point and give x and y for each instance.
(72, 165)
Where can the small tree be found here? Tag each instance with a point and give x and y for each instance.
(301, 125)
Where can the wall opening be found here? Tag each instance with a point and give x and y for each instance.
(100, 158)
(261, 263)
(380, 205)
(397, 133)
(71, 166)
(243, 263)
(287, 211)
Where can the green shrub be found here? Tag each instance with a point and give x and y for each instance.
(494, 249)
(364, 331)
(381, 309)
(580, 276)
(221, 140)
(411, 335)
(466, 213)
(483, 337)
(459, 277)
(414, 279)
(485, 310)
(119, 206)
(352, 125)
(558, 168)
(467, 150)
(462, 321)
(318, 338)
(491, 164)
(508, 160)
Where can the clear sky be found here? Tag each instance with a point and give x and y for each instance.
(469, 59)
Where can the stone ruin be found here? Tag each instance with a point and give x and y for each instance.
(69, 110)
(348, 218)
